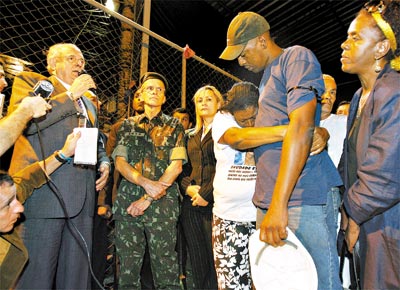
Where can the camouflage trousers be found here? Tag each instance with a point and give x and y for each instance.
(130, 241)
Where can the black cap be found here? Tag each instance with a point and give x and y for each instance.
(153, 75)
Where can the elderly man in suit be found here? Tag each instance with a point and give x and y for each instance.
(55, 213)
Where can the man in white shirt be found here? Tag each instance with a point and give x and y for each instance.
(336, 126)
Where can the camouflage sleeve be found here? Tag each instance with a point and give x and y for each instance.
(120, 150)
(179, 151)
(123, 137)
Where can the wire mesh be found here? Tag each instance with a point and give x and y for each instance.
(112, 50)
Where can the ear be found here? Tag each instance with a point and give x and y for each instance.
(52, 63)
(263, 40)
(382, 48)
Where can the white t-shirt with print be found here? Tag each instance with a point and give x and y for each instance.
(235, 176)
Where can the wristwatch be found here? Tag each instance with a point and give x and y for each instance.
(148, 197)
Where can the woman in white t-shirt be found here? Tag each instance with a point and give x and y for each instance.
(234, 214)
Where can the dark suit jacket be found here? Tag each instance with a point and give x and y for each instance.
(201, 167)
(372, 200)
(75, 183)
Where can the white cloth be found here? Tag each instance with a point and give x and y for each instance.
(234, 180)
(336, 126)
(289, 267)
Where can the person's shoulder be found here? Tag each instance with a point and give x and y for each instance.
(117, 124)
(170, 121)
(189, 133)
(390, 79)
(30, 76)
(222, 114)
(298, 52)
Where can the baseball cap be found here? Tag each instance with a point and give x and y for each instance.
(287, 267)
(245, 26)
(153, 75)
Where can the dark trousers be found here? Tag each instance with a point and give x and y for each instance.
(197, 226)
(99, 250)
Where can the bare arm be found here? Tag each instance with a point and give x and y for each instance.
(33, 176)
(68, 150)
(172, 172)
(11, 126)
(295, 151)
(155, 189)
(244, 138)
(250, 137)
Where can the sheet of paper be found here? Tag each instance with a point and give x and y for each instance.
(86, 148)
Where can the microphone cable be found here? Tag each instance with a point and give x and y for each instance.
(70, 224)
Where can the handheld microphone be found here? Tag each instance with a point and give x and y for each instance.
(44, 89)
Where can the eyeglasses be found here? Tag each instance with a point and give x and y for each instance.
(150, 89)
(74, 59)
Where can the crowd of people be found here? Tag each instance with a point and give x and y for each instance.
(185, 197)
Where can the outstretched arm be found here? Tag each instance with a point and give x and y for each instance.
(250, 137)
(11, 126)
(36, 174)
(245, 138)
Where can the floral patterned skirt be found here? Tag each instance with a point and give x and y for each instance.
(231, 253)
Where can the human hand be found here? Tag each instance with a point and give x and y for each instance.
(192, 190)
(273, 227)
(104, 211)
(352, 233)
(70, 144)
(36, 106)
(198, 200)
(104, 170)
(344, 219)
(138, 207)
(320, 139)
(156, 189)
(81, 85)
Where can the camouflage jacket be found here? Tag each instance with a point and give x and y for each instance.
(149, 146)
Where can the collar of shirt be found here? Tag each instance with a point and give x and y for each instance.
(156, 121)
(67, 86)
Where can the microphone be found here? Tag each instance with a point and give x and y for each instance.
(44, 89)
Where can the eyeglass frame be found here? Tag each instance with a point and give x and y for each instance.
(74, 59)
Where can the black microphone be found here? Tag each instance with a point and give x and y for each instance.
(44, 89)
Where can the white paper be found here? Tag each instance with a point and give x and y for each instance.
(86, 147)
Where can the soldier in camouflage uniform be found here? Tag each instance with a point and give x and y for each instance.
(149, 156)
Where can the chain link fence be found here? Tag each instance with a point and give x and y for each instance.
(112, 46)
